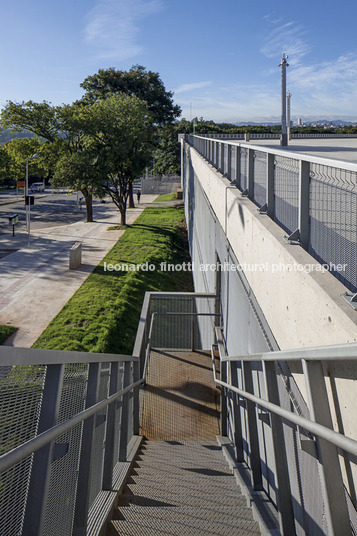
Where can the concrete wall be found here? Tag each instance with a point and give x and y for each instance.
(266, 306)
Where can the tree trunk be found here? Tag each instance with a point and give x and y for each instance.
(122, 211)
(131, 196)
(88, 198)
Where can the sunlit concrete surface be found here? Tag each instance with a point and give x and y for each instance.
(36, 281)
(332, 148)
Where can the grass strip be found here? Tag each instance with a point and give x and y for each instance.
(103, 315)
(5, 332)
(166, 197)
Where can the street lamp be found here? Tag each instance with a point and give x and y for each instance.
(27, 201)
(284, 64)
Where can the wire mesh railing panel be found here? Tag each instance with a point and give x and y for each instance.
(243, 169)
(117, 415)
(303, 468)
(21, 390)
(260, 173)
(60, 505)
(286, 190)
(172, 331)
(234, 176)
(333, 220)
(97, 458)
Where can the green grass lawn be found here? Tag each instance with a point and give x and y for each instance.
(5, 332)
(103, 315)
(166, 197)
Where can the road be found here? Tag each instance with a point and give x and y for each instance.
(49, 210)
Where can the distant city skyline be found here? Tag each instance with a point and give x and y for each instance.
(220, 59)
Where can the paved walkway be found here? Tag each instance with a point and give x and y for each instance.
(36, 281)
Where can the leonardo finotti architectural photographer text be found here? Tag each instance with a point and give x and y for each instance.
(226, 267)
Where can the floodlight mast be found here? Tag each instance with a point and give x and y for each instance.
(284, 64)
(288, 113)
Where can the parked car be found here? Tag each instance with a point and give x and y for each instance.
(37, 187)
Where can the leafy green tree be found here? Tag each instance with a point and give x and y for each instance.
(5, 166)
(17, 150)
(138, 82)
(80, 171)
(120, 132)
(167, 155)
(41, 118)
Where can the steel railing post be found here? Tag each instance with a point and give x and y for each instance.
(304, 204)
(329, 465)
(192, 324)
(254, 453)
(83, 484)
(270, 199)
(136, 401)
(41, 467)
(251, 174)
(238, 162)
(238, 437)
(221, 164)
(285, 505)
(229, 162)
(224, 413)
(124, 421)
(111, 430)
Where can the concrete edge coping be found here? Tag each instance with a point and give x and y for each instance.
(263, 509)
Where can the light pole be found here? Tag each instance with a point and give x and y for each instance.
(27, 200)
(288, 99)
(284, 64)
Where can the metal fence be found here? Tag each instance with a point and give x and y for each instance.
(290, 447)
(67, 422)
(160, 185)
(268, 136)
(313, 199)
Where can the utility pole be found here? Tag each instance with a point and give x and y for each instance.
(284, 64)
(288, 98)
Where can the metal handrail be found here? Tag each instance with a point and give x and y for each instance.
(33, 445)
(345, 443)
(18, 454)
(340, 164)
(337, 352)
(12, 356)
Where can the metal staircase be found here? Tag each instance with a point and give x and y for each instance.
(182, 488)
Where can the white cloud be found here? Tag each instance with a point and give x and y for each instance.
(190, 87)
(112, 26)
(288, 38)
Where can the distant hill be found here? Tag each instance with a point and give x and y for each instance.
(7, 135)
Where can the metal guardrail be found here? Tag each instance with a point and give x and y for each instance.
(68, 420)
(323, 442)
(313, 199)
(55, 476)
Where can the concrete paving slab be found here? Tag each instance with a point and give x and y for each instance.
(36, 281)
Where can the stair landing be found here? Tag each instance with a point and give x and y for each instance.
(180, 400)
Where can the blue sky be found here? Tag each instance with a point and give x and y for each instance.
(220, 58)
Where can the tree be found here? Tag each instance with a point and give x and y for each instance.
(119, 131)
(41, 118)
(17, 151)
(80, 171)
(138, 82)
(167, 155)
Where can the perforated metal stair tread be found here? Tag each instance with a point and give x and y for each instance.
(182, 488)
